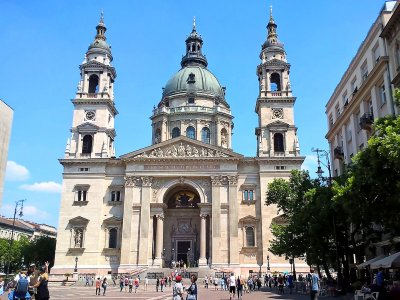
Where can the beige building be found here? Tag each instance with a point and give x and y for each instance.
(363, 94)
(188, 196)
(23, 228)
(6, 116)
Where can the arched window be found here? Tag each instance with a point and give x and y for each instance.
(191, 132)
(205, 135)
(157, 136)
(93, 84)
(275, 82)
(224, 138)
(278, 142)
(112, 238)
(250, 241)
(193, 47)
(176, 132)
(87, 144)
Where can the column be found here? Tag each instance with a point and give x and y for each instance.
(233, 221)
(145, 221)
(159, 240)
(216, 223)
(203, 237)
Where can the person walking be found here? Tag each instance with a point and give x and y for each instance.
(136, 283)
(315, 284)
(157, 284)
(239, 287)
(121, 284)
(130, 284)
(177, 290)
(104, 285)
(98, 284)
(232, 286)
(42, 285)
(146, 283)
(192, 290)
(162, 282)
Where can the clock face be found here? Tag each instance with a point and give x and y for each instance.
(277, 113)
(90, 115)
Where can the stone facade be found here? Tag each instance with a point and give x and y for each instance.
(187, 196)
(6, 116)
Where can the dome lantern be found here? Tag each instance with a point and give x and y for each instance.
(194, 55)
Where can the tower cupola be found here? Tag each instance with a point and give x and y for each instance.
(99, 46)
(272, 38)
(194, 55)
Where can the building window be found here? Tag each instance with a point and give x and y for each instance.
(275, 82)
(382, 94)
(116, 196)
(250, 238)
(191, 100)
(278, 142)
(157, 136)
(337, 110)
(280, 168)
(112, 237)
(248, 195)
(83, 169)
(224, 138)
(376, 54)
(364, 71)
(176, 132)
(87, 144)
(353, 85)
(205, 135)
(330, 121)
(191, 132)
(81, 193)
(93, 84)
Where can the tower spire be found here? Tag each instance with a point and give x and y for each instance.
(194, 24)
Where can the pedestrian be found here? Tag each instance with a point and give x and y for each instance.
(206, 282)
(98, 284)
(146, 283)
(121, 283)
(192, 290)
(130, 284)
(162, 282)
(114, 283)
(22, 285)
(221, 282)
(169, 280)
(232, 286)
(239, 287)
(177, 290)
(136, 284)
(33, 276)
(104, 285)
(1, 286)
(41, 285)
(157, 284)
(314, 285)
(126, 282)
(216, 283)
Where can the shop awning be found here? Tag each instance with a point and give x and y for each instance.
(392, 261)
(365, 264)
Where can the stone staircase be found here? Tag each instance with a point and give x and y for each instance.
(153, 273)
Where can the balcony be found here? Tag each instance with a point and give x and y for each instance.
(338, 153)
(102, 95)
(366, 121)
(190, 109)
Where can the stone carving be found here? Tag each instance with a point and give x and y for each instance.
(147, 181)
(78, 237)
(160, 217)
(216, 180)
(233, 179)
(277, 113)
(222, 180)
(133, 181)
(157, 184)
(181, 179)
(203, 216)
(182, 150)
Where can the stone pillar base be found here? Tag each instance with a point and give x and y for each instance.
(157, 262)
(202, 262)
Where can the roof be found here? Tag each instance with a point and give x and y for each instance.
(19, 224)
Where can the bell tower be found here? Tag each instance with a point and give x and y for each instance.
(92, 129)
(276, 132)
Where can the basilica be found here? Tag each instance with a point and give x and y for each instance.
(188, 196)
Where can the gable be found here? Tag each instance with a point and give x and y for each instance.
(87, 127)
(182, 147)
(278, 124)
(79, 221)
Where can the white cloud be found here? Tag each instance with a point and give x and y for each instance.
(43, 187)
(16, 172)
(30, 210)
(310, 164)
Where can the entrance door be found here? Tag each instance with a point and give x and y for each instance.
(182, 253)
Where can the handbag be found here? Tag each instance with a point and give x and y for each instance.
(191, 297)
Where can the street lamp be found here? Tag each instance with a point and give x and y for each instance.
(319, 171)
(268, 268)
(188, 258)
(76, 265)
(19, 205)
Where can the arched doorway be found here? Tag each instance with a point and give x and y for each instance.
(181, 226)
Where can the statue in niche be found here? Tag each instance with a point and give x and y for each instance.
(78, 235)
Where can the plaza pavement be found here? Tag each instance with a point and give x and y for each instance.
(88, 293)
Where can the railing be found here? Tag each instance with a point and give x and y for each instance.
(93, 95)
(366, 121)
(190, 109)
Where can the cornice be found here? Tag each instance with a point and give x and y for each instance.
(287, 99)
(96, 101)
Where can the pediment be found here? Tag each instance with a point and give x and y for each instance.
(79, 221)
(248, 220)
(280, 220)
(87, 127)
(112, 220)
(182, 148)
(278, 124)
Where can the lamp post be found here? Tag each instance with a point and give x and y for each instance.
(19, 205)
(162, 256)
(268, 268)
(324, 153)
(188, 258)
(22, 261)
(76, 265)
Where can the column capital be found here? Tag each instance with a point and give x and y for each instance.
(233, 180)
(133, 181)
(203, 216)
(147, 181)
(160, 217)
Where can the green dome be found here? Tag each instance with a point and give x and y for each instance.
(196, 79)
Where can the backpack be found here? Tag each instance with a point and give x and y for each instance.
(22, 286)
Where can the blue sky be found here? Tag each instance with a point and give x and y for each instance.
(43, 43)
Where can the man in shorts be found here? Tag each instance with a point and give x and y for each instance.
(232, 286)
